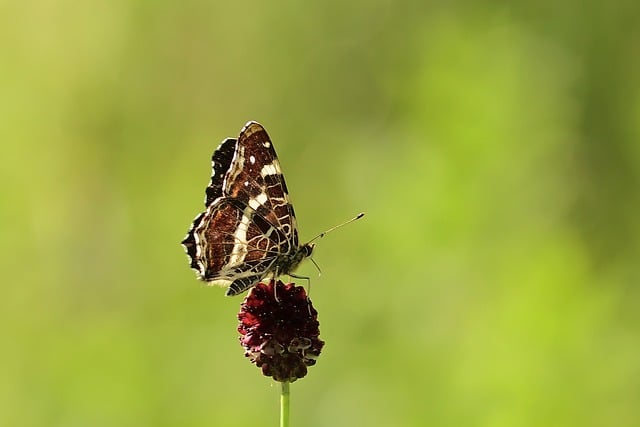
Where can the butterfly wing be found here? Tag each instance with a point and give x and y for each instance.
(195, 238)
(255, 178)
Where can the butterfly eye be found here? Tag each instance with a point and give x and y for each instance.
(308, 249)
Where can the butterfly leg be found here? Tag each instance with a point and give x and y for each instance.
(275, 290)
(308, 279)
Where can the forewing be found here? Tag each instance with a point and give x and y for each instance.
(255, 178)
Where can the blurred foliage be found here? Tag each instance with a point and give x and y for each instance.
(494, 147)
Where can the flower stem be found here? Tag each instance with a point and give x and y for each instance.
(284, 405)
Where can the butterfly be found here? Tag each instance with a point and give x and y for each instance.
(248, 230)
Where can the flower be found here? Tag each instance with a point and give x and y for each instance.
(279, 330)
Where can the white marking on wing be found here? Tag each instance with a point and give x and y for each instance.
(258, 201)
(271, 169)
(237, 166)
(240, 236)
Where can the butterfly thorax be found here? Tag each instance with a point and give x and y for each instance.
(287, 263)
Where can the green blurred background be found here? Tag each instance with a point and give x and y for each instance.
(495, 147)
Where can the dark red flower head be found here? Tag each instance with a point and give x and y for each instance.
(279, 330)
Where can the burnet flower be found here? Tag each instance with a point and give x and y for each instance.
(279, 330)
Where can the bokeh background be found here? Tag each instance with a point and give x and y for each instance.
(495, 147)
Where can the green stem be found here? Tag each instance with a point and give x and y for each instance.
(284, 405)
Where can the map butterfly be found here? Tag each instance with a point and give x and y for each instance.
(248, 230)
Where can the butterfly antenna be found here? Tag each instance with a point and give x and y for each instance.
(360, 215)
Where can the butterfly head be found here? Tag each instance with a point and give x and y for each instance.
(307, 249)
(303, 252)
